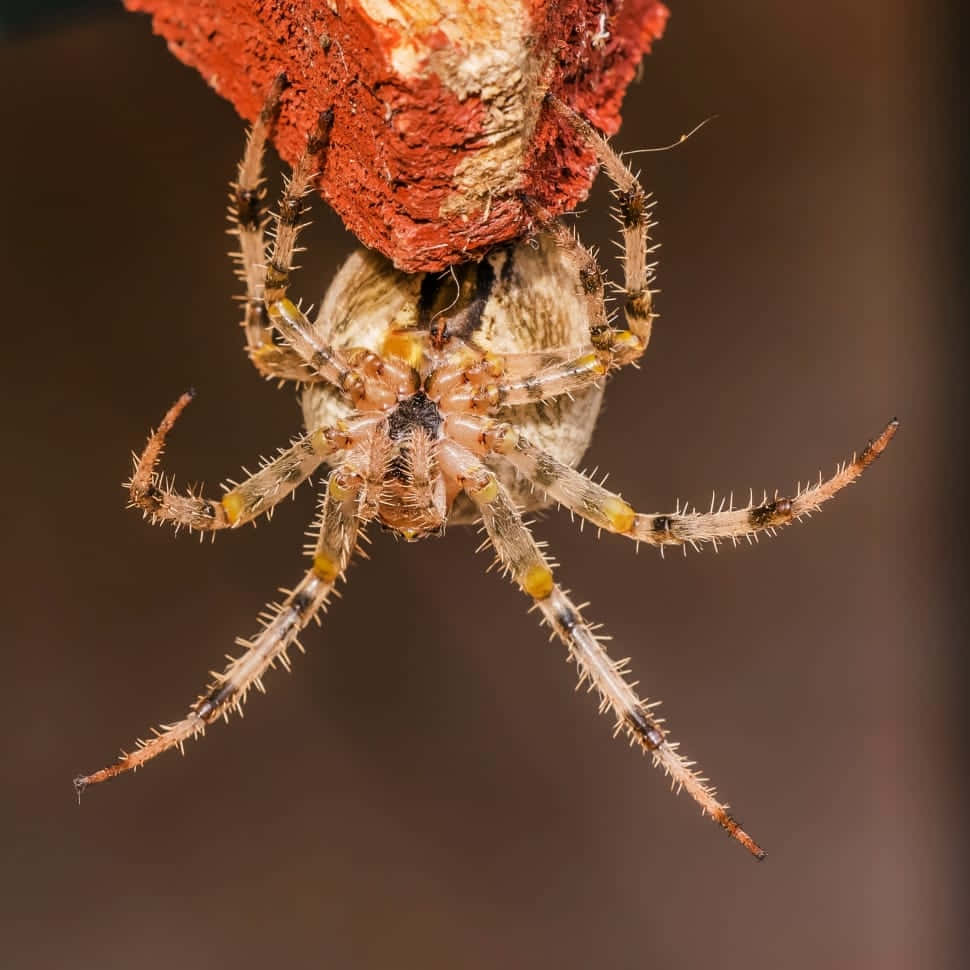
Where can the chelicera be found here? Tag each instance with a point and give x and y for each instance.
(434, 400)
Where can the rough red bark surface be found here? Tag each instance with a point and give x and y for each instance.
(439, 124)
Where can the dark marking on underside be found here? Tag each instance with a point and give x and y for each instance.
(302, 601)
(508, 267)
(447, 316)
(546, 471)
(644, 728)
(249, 208)
(416, 411)
(638, 304)
(774, 513)
(591, 278)
(567, 619)
(151, 497)
(633, 208)
(291, 211)
(293, 474)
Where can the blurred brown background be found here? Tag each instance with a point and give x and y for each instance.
(426, 790)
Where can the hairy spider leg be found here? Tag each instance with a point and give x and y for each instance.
(281, 625)
(520, 555)
(633, 214)
(245, 501)
(609, 348)
(608, 510)
(249, 218)
(569, 371)
(567, 377)
(368, 381)
(286, 219)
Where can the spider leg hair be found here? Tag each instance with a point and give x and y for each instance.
(247, 210)
(607, 510)
(560, 373)
(610, 348)
(633, 214)
(287, 218)
(248, 220)
(242, 503)
(363, 377)
(567, 376)
(519, 554)
(281, 625)
(615, 348)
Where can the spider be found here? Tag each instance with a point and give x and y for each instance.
(431, 408)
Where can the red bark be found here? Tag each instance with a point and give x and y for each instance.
(439, 125)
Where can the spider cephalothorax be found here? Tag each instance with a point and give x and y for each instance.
(444, 399)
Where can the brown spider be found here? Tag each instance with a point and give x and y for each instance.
(433, 409)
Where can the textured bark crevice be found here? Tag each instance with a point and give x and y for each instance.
(439, 121)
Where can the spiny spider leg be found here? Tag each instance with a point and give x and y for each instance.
(248, 216)
(257, 494)
(292, 209)
(281, 625)
(529, 362)
(520, 555)
(569, 372)
(610, 348)
(633, 214)
(615, 348)
(568, 377)
(369, 382)
(607, 510)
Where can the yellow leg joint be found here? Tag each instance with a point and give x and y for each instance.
(286, 309)
(320, 443)
(538, 581)
(405, 346)
(487, 493)
(337, 489)
(502, 438)
(233, 504)
(593, 364)
(494, 364)
(626, 342)
(265, 352)
(619, 515)
(487, 396)
(325, 568)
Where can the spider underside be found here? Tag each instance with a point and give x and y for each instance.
(436, 400)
